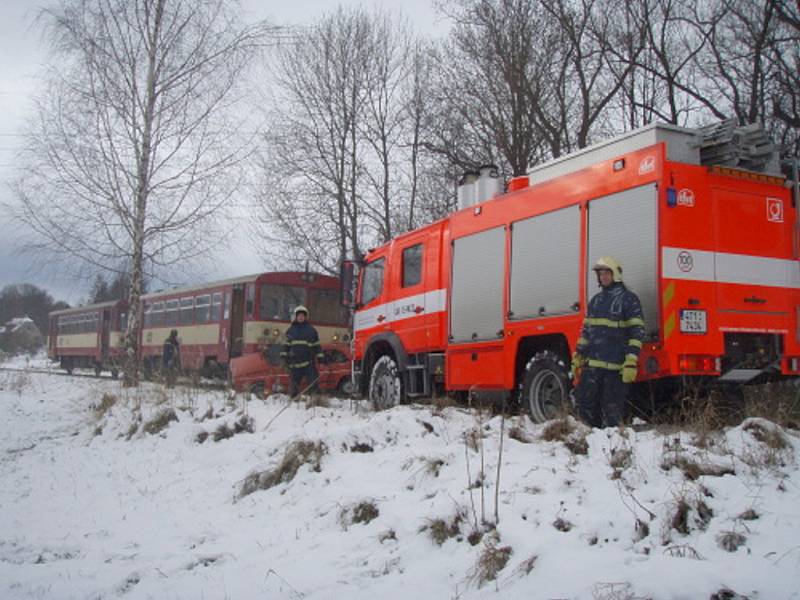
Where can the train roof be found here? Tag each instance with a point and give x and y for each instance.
(87, 307)
(233, 281)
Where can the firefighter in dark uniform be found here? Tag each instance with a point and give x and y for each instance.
(171, 357)
(607, 353)
(301, 351)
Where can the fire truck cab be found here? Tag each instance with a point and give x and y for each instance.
(492, 297)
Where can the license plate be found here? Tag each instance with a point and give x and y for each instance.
(693, 321)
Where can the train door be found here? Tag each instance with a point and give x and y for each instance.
(237, 321)
(105, 331)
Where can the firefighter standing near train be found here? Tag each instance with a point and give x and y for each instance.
(300, 353)
(607, 353)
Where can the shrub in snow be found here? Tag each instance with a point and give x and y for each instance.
(298, 453)
(160, 422)
(244, 424)
(690, 514)
(363, 512)
(692, 469)
(201, 437)
(492, 560)
(568, 431)
(748, 515)
(222, 432)
(361, 447)
(518, 431)
(387, 536)
(525, 567)
(562, 524)
(132, 430)
(727, 594)
(767, 433)
(105, 404)
(441, 531)
(730, 541)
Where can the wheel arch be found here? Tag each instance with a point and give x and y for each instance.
(532, 345)
(382, 344)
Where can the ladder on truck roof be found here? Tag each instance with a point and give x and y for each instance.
(725, 143)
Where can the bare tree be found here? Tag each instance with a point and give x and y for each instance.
(134, 146)
(342, 155)
(492, 72)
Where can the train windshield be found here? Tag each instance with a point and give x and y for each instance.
(279, 301)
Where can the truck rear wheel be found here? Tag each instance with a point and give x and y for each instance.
(545, 388)
(385, 386)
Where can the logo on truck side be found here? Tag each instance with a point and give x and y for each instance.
(647, 165)
(685, 261)
(774, 210)
(686, 198)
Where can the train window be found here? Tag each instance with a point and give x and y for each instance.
(158, 314)
(278, 301)
(202, 309)
(251, 299)
(171, 313)
(148, 315)
(187, 311)
(412, 265)
(372, 282)
(325, 307)
(216, 307)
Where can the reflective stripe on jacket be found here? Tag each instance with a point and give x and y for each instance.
(613, 329)
(301, 346)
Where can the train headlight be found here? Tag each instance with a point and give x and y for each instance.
(275, 332)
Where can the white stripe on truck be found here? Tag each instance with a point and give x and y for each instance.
(403, 308)
(725, 267)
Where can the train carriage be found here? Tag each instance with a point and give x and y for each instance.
(220, 321)
(90, 336)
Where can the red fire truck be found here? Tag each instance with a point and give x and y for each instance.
(492, 298)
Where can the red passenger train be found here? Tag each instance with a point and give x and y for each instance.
(215, 322)
(89, 336)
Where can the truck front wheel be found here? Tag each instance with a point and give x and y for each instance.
(385, 386)
(545, 387)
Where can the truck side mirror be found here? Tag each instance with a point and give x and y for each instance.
(346, 279)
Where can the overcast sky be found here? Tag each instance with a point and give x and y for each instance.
(22, 55)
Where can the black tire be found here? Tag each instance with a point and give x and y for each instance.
(385, 385)
(257, 390)
(546, 388)
(345, 387)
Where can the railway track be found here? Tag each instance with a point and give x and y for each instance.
(206, 384)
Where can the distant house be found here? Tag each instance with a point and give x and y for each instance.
(20, 335)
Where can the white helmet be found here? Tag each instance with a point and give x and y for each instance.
(300, 309)
(610, 263)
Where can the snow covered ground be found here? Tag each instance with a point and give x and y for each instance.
(384, 505)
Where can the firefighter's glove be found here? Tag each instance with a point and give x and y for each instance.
(578, 362)
(629, 369)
